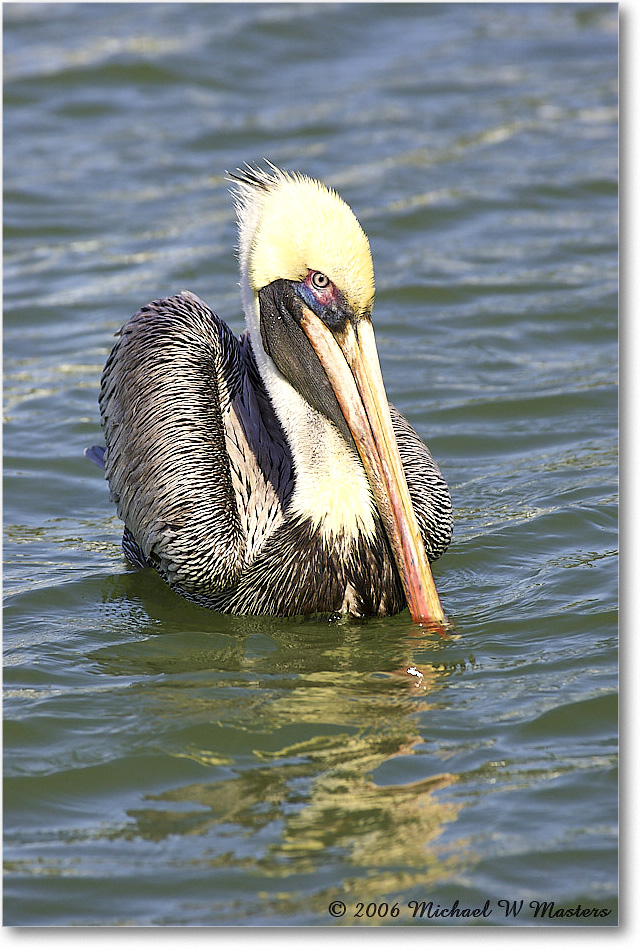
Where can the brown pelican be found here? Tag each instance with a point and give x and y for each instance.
(268, 474)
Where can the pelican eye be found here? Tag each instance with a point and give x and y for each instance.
(319, 281)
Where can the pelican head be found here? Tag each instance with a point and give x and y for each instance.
(290, 224)
(307, 283)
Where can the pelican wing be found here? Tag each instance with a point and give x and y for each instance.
(428, 490)
(169, 382)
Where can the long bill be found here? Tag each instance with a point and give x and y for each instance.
(351, 363)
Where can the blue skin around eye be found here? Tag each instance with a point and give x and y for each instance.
(333, 315)
(308, 296)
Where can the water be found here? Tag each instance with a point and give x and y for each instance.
(166, 765)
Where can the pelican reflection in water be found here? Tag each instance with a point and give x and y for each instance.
(268, 474)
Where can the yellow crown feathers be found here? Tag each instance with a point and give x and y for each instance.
(290, 224)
